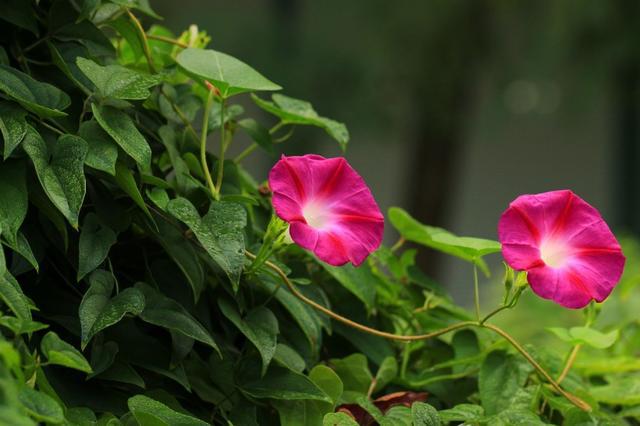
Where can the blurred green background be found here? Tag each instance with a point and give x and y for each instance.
(454, 107)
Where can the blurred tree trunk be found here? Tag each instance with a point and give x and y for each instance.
(626, 81)
(441, 101)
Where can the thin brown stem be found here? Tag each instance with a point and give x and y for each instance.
(492, 313)
(476, 291)
(570, 360)
(203, 144)
(246, 152)
(354, 324)
(52, 128)
(398, 244)
(572, 398)
(464, 324)
(167, 40)
(181, 115)
(223, 149)
(145, 42)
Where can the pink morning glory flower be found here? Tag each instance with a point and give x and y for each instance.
(570, 254)
(329, 208)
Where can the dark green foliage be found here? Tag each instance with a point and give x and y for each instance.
(127, 297)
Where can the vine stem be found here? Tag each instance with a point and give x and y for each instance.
(570, 360)
(145, 44)
(52, 128)
(476, 291)
(203, 144)
(246, 152)
(351, 323)
(167, 40)
(574, 399)
(464, 324)
(223, 149)
(254, 145)
(398, 244)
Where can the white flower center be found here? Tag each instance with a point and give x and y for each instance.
(554, 253)
(316, 214)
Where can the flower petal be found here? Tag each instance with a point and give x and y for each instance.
(561, 286)
(564, 244)
(343, 222)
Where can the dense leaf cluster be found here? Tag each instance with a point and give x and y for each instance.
(127, 295)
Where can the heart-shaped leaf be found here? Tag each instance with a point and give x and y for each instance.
(61, 171)
(121, 128)
(118, 82)
(40, 98)
(219, 232)
(12, 125)
(60, 352)
(230, 75)
(296, 111)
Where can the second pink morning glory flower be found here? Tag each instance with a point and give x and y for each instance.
(570, 254)
(329, 207)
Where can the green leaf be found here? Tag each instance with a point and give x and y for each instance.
(98, 311)
(501, 376)
(149, 412)
(59, 352)
(515, 416)
(64, 56)
(220, 232)
(83, 32)
(103, 356)
(386, 373)
(258, 133)
(302, 314)
(327, 380)
(95, 242)
(20, 14)
(338, 419)
(60, 172)
(81, 416)
(424, 414)
(23, 248)
(230, 75)
(41, 406)
(287, 357)
(128, 29)
(12, 125)
(296, 111)
(40, 98)
(624, 390)
(282, 383)
(122, 129)
(123, 373)
(167, 313)
(13, 198)
(354, 373)
(19, 326)
(126, 182)
(586, 335)
(260, 326)
(141, 5)
(12, 296)
(466, 347)
(103, 152)
(118, 82)
(182, 252)
(466, 413)
(360, 281)
(180, 167)
(374, 347)
(467, 248)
